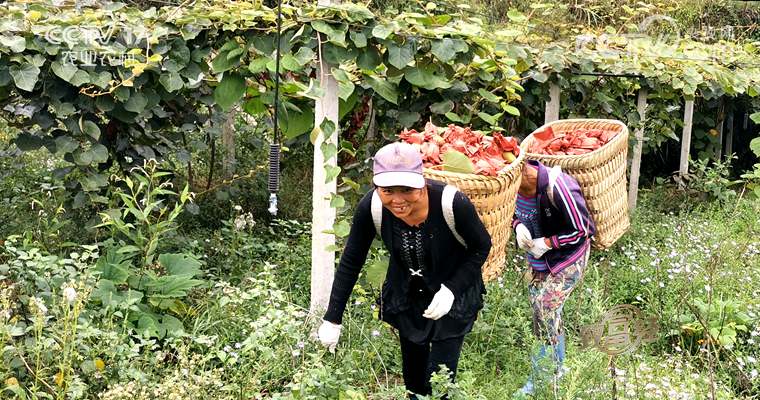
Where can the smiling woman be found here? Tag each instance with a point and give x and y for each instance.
(434, 288)
(406, 203)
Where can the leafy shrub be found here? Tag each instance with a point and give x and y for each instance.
(133, 276)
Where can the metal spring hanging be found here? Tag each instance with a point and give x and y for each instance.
(274, 148)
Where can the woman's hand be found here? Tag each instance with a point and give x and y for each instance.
(441, 304)
(539, 247)
(329, 334)
(523, 236)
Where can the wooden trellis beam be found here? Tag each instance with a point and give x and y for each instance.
(633, 184)
(688, 114)
(552, 105)
(323, 215)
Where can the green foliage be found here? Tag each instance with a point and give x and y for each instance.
(113, 112)
(134, 277)
(719, 321)
(753, 177)
(710, 180)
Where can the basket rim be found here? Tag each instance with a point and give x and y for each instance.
(510, 168)
(623, 133)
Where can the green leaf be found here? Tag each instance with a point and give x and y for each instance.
(229, 91)
(516, 16)
(180, 264)
(369, 59)
(426, 78)
(337, 201)
(113, 267)
(90, 129)
(510, 109)
(335, 35)
(83, 158)
(489, 96)
(171, 82)
(444, 49)
(24, 76)
(492, 120)
(294, 123)
(28, 142)
(234, 54)
(754, 145)
(99, 153)
(327, 127)
(454, 161)
(172, 325)
(331, 173)
(442, 107)
(65, 144)
(136, 103)
(407, 119)
(222, 62)
(329, 150)
(355, 186)
(80, 78)
(17, 44)
(400, 56)
(540, 77)
(382, 31)
(93, 182)
(359, 39)
(172, 286)
(258, 65)
(345, 86)
(304, 55)
(755, 118)
(64, 71)
(341, 228)
(289, 63)
(385, 89)
(375, 272)
(255, 106)
(457, 118)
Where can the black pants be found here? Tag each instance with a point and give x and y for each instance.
(419, 361)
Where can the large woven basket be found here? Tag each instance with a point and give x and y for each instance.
(494, 197)
(601, 175)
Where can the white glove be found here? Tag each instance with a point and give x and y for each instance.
(539, 248)
(524, 239)
(328, 335)
(441, 304)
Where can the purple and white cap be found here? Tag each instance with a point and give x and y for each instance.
(398, 164)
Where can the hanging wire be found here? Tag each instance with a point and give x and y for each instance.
(274, 147)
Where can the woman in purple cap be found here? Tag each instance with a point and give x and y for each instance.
(433, 289)
(553, 225)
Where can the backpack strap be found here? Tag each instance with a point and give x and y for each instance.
(377, 212)
(554, 174)
(447, 205)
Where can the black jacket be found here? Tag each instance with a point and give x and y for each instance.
(453, 265)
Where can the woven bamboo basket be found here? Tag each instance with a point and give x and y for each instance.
(494, 197)
(601, 175)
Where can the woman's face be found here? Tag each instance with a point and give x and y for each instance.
(401, 200)
(529, 179)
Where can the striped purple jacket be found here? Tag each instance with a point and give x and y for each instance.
(565, 221)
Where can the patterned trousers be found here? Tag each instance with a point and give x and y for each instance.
(547, 296)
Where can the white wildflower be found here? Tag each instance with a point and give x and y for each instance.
(70, 295)
(39, 305)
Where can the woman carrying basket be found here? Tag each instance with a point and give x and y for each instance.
(433, 288)
(553, 225)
